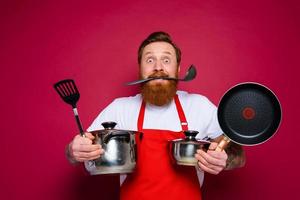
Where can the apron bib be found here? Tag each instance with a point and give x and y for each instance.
(156, 174)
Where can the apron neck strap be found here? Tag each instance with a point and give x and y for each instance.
(183, 122)
(141, 116)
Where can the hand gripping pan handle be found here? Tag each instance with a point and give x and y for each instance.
(223, 144)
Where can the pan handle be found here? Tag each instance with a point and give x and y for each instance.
(222, 144)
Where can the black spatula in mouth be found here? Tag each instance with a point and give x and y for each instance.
(68, 91)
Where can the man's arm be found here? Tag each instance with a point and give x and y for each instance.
(236, 155)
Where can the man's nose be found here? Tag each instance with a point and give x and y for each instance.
(158, 66)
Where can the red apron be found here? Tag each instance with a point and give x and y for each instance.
(156, 175)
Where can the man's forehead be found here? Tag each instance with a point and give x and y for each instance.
(159, 47)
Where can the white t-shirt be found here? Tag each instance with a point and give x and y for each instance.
(200, 114)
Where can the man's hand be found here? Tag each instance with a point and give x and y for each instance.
(82, 148)
(211, 161)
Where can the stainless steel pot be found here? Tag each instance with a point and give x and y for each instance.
(184, 150)
(120, 151)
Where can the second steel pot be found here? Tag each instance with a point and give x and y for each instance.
(184, 150)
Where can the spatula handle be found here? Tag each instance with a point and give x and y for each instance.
(78, 121)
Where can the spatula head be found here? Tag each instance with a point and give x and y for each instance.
(68, 91)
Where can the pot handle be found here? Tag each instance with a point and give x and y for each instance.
(222, 144)
(111, 135)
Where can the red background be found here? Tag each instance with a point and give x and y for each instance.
(95, 43)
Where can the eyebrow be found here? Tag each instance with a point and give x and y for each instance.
(166, 52)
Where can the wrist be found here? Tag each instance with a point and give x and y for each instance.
(69, 154)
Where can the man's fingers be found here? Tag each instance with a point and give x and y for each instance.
(210, 159)
(82, 140)
(88, 148)
(218, 155)
(207, 164)
(213, 146)
(83, 149)
(88, 155)
(89, 135)
(206, 169)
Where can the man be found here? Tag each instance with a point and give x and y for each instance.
(162, 113)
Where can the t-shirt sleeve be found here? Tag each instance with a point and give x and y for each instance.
(202, 115)
(108, 114)
(213, 129)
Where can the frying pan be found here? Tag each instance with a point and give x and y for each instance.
(249, 114)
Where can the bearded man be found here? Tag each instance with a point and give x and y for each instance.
(161, 113)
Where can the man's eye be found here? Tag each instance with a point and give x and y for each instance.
(150, 60)
(166, 60)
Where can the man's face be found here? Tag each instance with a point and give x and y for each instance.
(158, 59)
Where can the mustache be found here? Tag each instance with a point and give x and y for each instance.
(158, 75)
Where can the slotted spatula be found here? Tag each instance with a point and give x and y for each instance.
(68, 91)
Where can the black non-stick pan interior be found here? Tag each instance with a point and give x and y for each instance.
(249, 113)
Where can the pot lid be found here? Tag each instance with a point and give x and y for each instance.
(198, 141)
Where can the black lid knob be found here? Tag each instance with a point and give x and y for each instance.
(109, 125)
(190, 134)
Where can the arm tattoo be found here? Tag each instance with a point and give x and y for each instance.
(236, 156)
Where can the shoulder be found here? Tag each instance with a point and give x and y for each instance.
(119, 110)
(127, 101)
(194, 99)
(121, 104)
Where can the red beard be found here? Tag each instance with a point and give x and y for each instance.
(159, 94)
